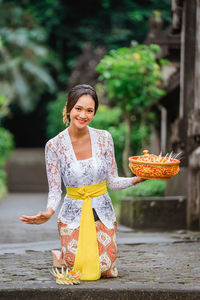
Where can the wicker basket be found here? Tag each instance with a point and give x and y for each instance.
(153, 170)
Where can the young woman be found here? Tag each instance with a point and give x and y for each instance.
(83, 157)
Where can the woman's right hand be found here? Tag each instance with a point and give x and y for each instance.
(40, 218)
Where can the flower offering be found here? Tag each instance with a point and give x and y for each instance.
(151, 166)
(66, 277)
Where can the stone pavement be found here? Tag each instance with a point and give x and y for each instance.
(151, 265)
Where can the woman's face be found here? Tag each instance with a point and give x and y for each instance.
(83, 111)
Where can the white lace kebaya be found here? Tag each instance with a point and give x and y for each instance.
(61, 163)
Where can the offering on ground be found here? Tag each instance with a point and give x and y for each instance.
(65, 276)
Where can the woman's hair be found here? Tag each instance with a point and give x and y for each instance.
(74, 94)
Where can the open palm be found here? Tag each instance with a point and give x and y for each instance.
(40, 218)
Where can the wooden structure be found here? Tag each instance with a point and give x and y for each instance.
(189, 113)
(180, 43)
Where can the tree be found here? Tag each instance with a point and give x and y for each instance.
(132, 77)
(23, 58)
(104, 23)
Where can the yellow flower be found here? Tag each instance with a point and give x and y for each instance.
(156, 67)
(136, 56)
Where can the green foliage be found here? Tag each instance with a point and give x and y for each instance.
(3, 107)
(149, 188)
(24, 58)
(3, 183)
(121, 19)
(6, 145)
(43, 39)
(111, 119)
(54, 115)
(131, 76)
(106, 117)
(111, 24)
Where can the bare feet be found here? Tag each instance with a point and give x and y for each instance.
(58, 262)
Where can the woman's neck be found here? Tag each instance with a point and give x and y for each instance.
(77, 132)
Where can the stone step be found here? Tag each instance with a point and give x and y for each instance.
(160, 213)
(26, 171)
(94, 293)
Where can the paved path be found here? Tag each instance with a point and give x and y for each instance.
(152, 265)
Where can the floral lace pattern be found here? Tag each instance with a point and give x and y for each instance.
(62, 164)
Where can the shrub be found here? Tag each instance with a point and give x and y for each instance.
(6, 145)
(3, 183)
(132, 78)
(149, 188)
(111, 119)
(54, 123)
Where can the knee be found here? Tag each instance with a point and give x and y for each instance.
(69, 259)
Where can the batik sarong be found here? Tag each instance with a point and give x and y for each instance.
(107, 246)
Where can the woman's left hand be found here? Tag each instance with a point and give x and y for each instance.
(40, 218)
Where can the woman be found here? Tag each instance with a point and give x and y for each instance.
(84, 158)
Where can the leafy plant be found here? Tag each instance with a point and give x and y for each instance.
(149, 188)
(23, 58)
(54, 115)
(4, 110)
(3, 183)
(111, 119)
(6, 145)
(132, 78)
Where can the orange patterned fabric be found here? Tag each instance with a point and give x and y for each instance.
(107, 245)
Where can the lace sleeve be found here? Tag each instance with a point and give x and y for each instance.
(113, 180)
(53, 176)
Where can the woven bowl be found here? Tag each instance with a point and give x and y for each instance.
(154, 170)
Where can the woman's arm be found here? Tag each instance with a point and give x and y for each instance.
(54, 181)
(113, 180)
(53, 176)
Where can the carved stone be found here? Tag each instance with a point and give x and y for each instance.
(194, 123)
(176, 8)
(194, 160)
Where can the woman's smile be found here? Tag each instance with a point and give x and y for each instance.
(82, 121)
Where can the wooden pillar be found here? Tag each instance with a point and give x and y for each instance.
(190, 107)
(187, 74)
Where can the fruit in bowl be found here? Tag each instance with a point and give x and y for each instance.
(151, 166)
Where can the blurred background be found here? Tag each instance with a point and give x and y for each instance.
(47, 47)
(128, 50)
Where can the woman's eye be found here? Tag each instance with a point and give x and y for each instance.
(90, 111)
(78, 108)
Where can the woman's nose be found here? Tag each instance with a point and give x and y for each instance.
(82, 114)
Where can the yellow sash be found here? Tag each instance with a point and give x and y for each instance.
(87, 255)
